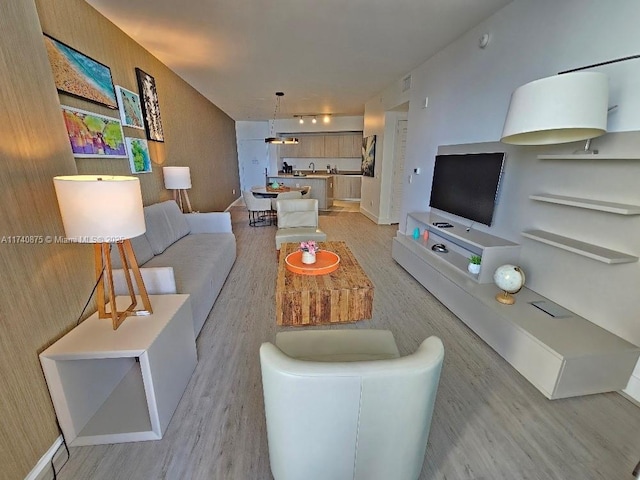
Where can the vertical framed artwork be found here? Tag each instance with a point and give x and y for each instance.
(130, 109)
(150, 106)
(76, 74)
(94, 135)
(368, 156)
(139, 158)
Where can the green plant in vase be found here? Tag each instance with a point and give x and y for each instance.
(474, 264)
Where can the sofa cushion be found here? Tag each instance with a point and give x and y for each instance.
(201, 263)
(165, 225)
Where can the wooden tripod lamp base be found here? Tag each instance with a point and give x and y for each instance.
(106, 289)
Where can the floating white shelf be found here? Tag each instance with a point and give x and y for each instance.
(585, 156)
(581, 248)
(609, 207)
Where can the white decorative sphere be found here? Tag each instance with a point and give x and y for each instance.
(509, 278)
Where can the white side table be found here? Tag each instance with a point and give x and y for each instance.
(113, 386)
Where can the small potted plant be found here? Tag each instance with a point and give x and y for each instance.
(309, 250)
(474, 264)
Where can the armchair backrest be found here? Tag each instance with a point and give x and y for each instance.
(365, 420)
(297, 213)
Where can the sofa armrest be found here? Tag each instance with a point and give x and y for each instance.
(157, 281)
(210, 222)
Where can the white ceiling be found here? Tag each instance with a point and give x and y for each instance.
(328, 56)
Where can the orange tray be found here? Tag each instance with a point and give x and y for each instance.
(326, 262)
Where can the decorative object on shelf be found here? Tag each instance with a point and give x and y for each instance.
(130, 108)
(510, 279)
(474, 264)
(139, 158)
(309, 250)
(278, 140)
(559, 109)
(368, 156)
(416, 233)
(425, 235)
(178, 179)
(103, 210)
(93, 135)
(76, 74)
(150, 106)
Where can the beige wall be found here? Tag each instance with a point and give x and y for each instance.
(43, 287)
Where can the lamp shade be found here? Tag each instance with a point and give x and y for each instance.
(176, 178)
(100, 208)
(560, 109)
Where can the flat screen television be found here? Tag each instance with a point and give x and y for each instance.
(466, 185)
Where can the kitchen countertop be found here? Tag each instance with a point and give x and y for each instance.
(315, 175)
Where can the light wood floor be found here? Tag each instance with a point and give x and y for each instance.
(489, 422)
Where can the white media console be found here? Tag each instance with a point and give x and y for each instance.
(561, 357)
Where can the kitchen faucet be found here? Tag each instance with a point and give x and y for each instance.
(312, 166)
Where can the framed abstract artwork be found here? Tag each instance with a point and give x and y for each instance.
(368, 156)
(94, 135)
(150, 106)
(76, 74)
(130, 109)
(139, 158)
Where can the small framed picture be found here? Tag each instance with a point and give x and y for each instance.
(150, 106)
(139, 158)
(130, 109)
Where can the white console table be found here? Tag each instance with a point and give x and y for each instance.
(562, 357)
(112, 386)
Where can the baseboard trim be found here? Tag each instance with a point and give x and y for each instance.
(368, 214)
(633, 389)
(44, 462)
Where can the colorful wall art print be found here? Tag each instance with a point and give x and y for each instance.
(139, 158)
(93, 135)
(150, 106)
(368, 156)
(130, 109)
(76, 74)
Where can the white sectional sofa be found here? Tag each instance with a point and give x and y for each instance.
(185, 253)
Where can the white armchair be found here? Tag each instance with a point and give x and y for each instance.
(343, 405)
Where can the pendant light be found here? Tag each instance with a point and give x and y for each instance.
(279, 140)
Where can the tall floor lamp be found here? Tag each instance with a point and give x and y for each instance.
(103, 209)
(178, 179)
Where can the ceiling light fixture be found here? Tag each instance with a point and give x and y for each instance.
(278, 140)
(301, 121)
(327, 118)
(314, 120)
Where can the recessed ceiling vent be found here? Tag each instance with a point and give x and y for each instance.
(406, 83)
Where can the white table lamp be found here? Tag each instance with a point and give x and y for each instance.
(178, 179)
(102, 209)
(559, 109)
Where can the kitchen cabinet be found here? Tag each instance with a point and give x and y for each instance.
(340, 145)
(347, 187)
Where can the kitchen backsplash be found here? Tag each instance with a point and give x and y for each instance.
(342, 164)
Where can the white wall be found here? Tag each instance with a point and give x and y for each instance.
(469, 90)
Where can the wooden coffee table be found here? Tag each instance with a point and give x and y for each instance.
(343, 296)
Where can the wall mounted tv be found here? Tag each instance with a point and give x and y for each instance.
(466, 185)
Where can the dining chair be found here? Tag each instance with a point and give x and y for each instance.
(259, 209)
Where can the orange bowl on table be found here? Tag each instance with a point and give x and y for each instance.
(326, 262)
